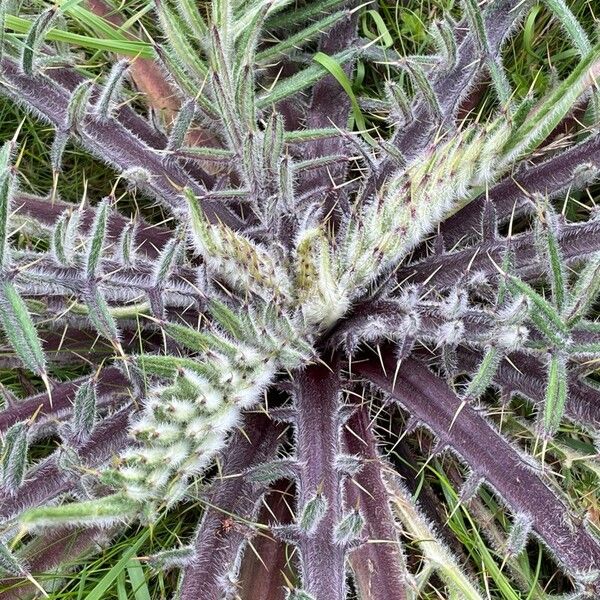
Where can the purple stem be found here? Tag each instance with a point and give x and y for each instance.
(549, 178)
(330, 107)
(41, 276)
(149, 238)
(262, 579)
(109, 140)
(379, 569)
(524, 374)
(233, 503)
(112, 384)
(60, 347)
(47, 552)
(490, 456)
(318, 427)
(577, 241)
(48, 479)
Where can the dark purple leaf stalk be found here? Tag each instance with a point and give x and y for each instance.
(246, 353)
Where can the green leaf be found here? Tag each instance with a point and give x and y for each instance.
(14, 456)
(556, 394)
(98, 235)
(100, 314)
(335, 68)
(6, 189)
(126, 47)
(99, 591)
(485, 373)
(548, 114)
(312, 513)
(84, 409)
(385, 38)
(9, 563)
(20, 330)
(584, 293)
(35, 38)
(137, 579)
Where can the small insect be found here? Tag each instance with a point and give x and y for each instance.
(227, 525)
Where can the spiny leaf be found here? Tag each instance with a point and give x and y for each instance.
(270, 472)
(127, 244)
(35, 38)
(543, 313)
(519, 534)
(172, 559)
(584, 292)
(84, 409)
(181, 125)
(101, 512)
(20, 330)
(199, 341)
(301, 37)
(64, 237)
(166, 366)
(111, 90)
(100, 315)
(297, 594)
(59, 143)
(96, 243)
(350, 527)
(445, 42)
(552, 109)
(571, 25)
(313, 512)
(78, 103)
(556, 394)
(424, 86)
(179, 42)
(166, 261)
(485, 373)
(555, 260)
(9, 563)
(6, 189)
(14, 457)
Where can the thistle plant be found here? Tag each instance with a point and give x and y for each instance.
(316, 278)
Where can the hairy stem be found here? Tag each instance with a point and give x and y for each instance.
(317, 442)
(230, 510)
(491, 457)
(378, 565)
